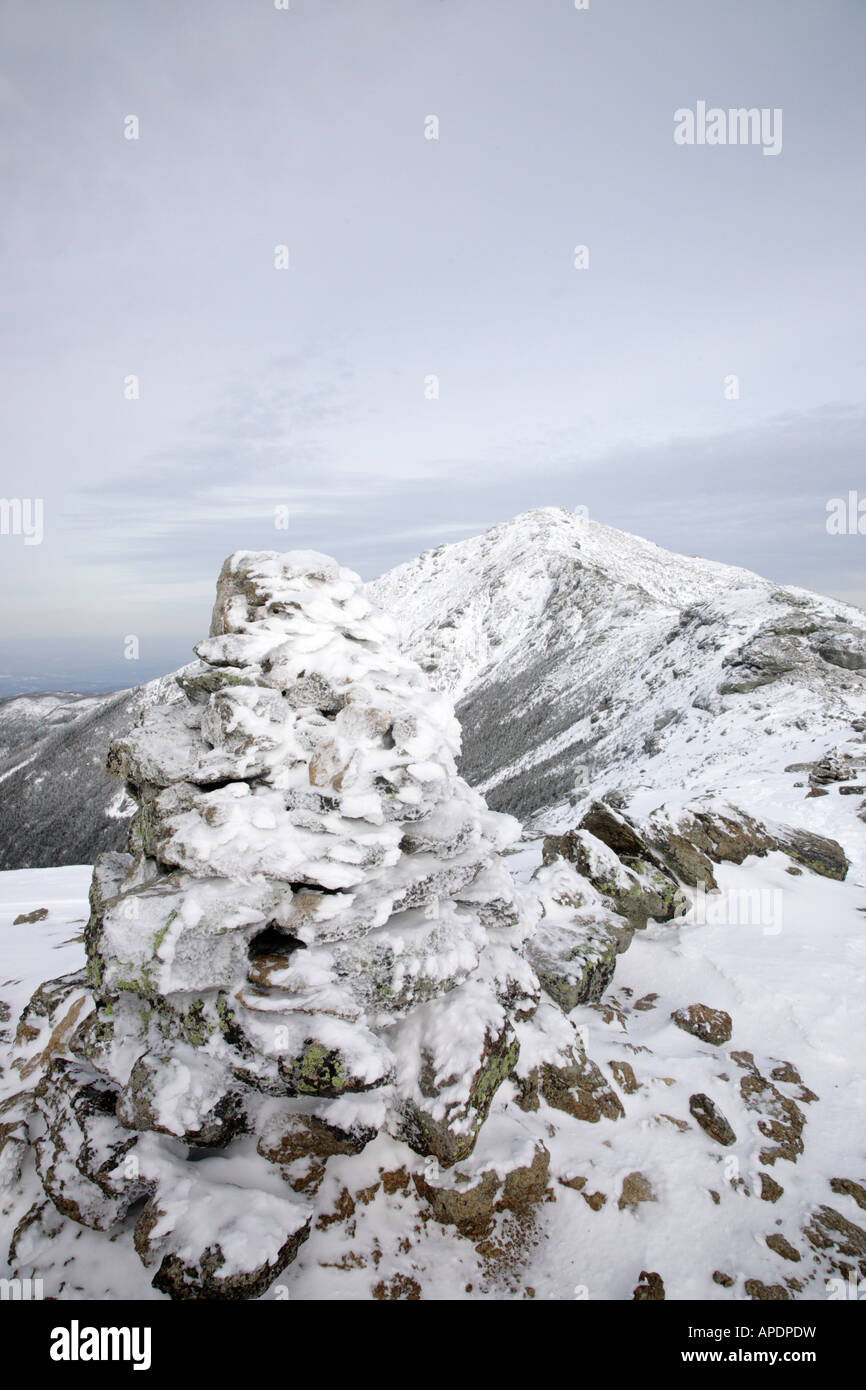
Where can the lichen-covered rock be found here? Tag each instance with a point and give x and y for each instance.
(286, 1136)
(48, 1022)
(641, 867)
(322, 1070)
(15, 1112)
(574, 963)
(554, 1067)
(185, 1095)
(634, 887)
(80, 1154)
(109, 873)
(453, 1057)
(211, 1238)
(469, 1195)
(311, 938)
(671, 849)
(816, 852)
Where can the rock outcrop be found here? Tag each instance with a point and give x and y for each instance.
(310, 939)
(639, 868)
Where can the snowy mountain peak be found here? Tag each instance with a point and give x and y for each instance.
(580, 653)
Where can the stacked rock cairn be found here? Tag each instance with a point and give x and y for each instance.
(311, 939)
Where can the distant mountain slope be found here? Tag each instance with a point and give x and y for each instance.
(27, 719)
(57, 806)
(582, 654)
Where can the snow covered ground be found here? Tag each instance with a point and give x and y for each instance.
(790, 969)
(33, 952)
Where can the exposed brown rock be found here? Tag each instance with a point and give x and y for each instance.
(580, 1089)
(710, 1025)
(471, 1205)
(828, 1230)
(766, 1292)
(576, 1183)
(15, 1113)
(200, 1278)
(781, 1119)
(469, 1208)
(645, 1003)
(286, 1138)
(613, 829)
(50, 1018)
(342, 1213)
(395, 1180)
(711, 1119)
(650, 1289)
(636, 1188)
(786, 1071)
(771, 1190)
(682, 1125)
(847, 1186)
(80, 1153)
(624, 1076)
(400, 1287)
(778, 1243)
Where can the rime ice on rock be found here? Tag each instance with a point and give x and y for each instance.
(312, 936)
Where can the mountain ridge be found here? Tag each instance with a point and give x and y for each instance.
(605, 645)
(581, 659)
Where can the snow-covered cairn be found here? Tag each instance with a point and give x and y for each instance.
(312, 937)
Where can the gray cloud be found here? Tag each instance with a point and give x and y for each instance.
(412, 258)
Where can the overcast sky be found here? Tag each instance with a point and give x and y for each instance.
(410, 258)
